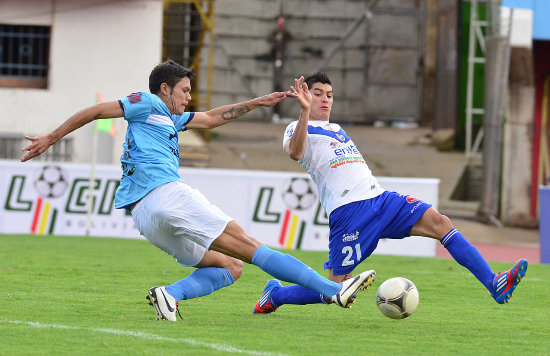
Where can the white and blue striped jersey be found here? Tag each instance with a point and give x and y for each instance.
(151, 151)
(335, 165)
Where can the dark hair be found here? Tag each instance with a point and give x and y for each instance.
(168, 72)
(318, 77)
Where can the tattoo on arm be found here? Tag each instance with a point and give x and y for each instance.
(235, 112)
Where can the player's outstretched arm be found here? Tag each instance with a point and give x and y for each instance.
(227, 113)
(296, 146)
(39, 144)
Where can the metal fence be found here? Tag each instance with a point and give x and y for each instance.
(11, 145)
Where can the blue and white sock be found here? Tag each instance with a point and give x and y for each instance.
(201, 282)
(289, 269)
(297, 295)
(468, 256)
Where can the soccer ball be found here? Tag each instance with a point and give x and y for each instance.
(397, 298)
(50, 182)
(299, 193)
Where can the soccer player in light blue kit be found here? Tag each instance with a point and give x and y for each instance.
(360, 211)
(175, 217)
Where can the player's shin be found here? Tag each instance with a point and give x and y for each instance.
(201, 282)
(468, 256)
(297, 295)
(289, 269)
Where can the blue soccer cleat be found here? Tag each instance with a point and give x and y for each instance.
(505, 282)
(264, 304)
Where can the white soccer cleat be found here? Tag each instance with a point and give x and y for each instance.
(165, 305)
(346, 297)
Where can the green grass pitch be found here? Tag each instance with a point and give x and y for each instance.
(86, 296)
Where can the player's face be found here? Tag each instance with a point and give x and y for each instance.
(180, 96)
(321, 103)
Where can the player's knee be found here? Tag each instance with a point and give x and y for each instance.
(235, 267)
(442, 225)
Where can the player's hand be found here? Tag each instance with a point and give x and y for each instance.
(274, 98)
(38, 145)
(302, 93)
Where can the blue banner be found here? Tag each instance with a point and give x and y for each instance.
(541, 12)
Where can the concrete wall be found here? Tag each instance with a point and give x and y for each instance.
(376, 72)
(95, 46)
(518, 137)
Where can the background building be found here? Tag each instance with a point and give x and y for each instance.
(439, 64)
(56, 57)
(65, 52)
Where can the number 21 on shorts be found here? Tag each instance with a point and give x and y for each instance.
(348, 251)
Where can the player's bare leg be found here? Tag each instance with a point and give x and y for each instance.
(234, 242)
(214, 271)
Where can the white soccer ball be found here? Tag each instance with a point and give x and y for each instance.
(397, 298)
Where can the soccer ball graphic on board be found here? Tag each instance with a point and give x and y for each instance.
(50, 182)
(299, 193)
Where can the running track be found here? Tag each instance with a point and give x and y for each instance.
(500, 253)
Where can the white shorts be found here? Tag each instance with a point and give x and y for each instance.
(180, 221)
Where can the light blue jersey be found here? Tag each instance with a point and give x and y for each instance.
(151, 152)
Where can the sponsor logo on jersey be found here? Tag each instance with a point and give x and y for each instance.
(347, 151)
(128, 169)
(171, 136)
(350, 237)
(333, 144)
(134, 98)
(416, 206)
(174, 151)
(335, 163)
(412, 200)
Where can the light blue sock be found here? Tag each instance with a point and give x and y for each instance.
(468, 256)
(297, 295)
(289, 269)
(201, 282)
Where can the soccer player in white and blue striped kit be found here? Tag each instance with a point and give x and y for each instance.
(175, 217)
(360, 211)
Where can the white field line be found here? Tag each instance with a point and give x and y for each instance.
(147, 336)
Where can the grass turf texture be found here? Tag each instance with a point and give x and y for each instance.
(75, 295)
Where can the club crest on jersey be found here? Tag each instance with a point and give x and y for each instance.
(340, 137)
(289, 132)
(411, 200)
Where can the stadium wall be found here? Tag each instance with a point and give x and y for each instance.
(280, 209)
(95, 46)
(373, 51)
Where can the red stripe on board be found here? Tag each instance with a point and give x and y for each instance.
(285, 226)
(36, 215)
